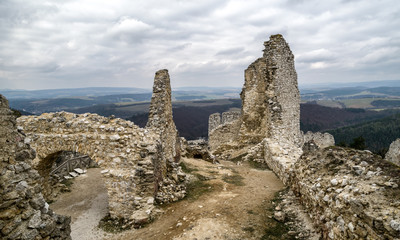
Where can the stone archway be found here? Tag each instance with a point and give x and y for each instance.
(124, 151)
(141, 166)
(59, 168)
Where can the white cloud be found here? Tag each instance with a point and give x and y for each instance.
(53, 43)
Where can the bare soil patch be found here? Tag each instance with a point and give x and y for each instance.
(226, 201)
(235, 206)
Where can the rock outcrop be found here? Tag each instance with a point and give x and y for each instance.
(322, 140)
(24, 213)
(393, 154)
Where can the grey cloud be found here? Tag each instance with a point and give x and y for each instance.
(231, 51)
(122, 43)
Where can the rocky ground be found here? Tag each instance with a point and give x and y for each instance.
(225, 201)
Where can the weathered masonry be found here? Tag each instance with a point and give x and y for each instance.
(24, 213)
(348, 194)
(139, 165)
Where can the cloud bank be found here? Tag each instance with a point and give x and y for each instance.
(82, 43)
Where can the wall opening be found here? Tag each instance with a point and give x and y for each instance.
(59, 168)
(75, 188)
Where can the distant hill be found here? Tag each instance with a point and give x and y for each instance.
(352, 93)
(68, 93)
(319, 118)
(378, 134)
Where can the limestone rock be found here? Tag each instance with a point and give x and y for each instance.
(393, 154)
(322, 140)
(342, 198)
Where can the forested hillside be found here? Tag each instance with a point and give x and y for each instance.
(378, 134)
(315, 118)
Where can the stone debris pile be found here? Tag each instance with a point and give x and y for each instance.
(349, 194)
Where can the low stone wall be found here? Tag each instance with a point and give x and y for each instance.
(349, 194)
(223, 134)
(24, 214)
(280, 156)
(393, 154)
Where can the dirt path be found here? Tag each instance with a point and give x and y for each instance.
(86, 204)
(234, 208)
(230, 202)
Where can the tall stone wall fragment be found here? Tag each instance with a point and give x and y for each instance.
(160, 115)
(393, 154)
(214, 120)
(270, 96)
(24, 214)
(168, 175)
(270, 101)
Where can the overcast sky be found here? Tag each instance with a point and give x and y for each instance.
(122, 43)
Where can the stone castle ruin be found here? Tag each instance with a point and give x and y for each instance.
(348, 194)
(139, 166)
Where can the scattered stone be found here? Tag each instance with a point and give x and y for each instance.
(279, 216)
(79, 171)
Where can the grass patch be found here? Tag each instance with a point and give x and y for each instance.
(187, 169)
(107, 224)
(233, 179)
(276, 230)
(197, 188)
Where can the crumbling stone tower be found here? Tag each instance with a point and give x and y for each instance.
(270, 102)
(270, 96)
(166, 168)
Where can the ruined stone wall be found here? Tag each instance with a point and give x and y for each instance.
(24, 214)
(224, 134)
(393, 154)
(349, 194)
(283, 93)
(214, 120)
(140, 166)
(270, 96)
(222, 130)
(124, 151)
(322, 140)
(230, 116)
(160, 121)
(270, 101)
